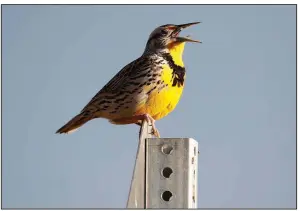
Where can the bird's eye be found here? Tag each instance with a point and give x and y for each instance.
(164, 32)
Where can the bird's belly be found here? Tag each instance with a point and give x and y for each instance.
(162, 100)
(157, 99)
(161, 104)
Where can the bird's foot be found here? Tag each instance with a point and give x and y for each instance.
(151, 121)
(138, 120)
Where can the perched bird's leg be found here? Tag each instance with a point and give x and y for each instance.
(151, 121)
(136, 119)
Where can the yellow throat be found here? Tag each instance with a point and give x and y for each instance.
(176, 51)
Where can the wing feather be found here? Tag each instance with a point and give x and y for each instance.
(121, 78)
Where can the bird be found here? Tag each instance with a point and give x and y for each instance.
(146, 89)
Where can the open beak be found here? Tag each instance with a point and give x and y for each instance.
(186, 39)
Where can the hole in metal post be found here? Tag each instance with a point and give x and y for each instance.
(194, 194)
(193, 160)
(166, 196)
(195, 151)
(166, 172)
(167, 149)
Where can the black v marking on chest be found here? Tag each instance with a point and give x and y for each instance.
(178, 71)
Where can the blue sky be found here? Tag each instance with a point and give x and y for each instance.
(239, 103)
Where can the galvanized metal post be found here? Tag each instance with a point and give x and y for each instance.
(171, 173)
(137, 193)
(165, 174)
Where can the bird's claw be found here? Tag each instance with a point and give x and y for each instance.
(151, 122)
(155, 132)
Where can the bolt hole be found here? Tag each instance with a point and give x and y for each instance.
(166, 172)
(167, 196)
(195, 151)
(167, 149)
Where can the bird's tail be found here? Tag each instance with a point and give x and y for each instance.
(74, 123)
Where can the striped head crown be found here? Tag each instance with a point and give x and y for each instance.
(165, 35)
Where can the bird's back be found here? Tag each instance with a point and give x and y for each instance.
(126, 91)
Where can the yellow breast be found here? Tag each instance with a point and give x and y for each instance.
(162, 101)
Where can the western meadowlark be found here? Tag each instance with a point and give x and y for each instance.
(148, 88)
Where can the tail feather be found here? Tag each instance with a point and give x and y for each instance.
(74, 124)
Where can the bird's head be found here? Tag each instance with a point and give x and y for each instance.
(166, 36)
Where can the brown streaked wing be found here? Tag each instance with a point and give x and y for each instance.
(119, 79)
